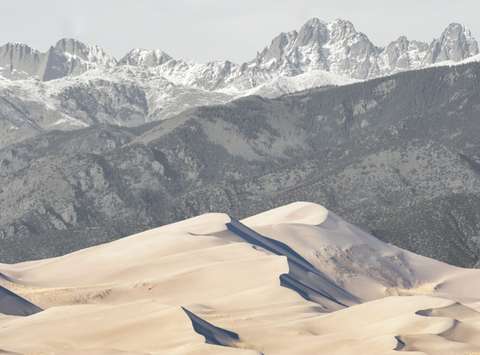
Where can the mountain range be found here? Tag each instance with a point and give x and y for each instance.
(75, 85)
(336, 47)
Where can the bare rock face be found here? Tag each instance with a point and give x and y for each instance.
(455, 43)
(67, 57)
(402, 54)
(19, 61)
(70, 57)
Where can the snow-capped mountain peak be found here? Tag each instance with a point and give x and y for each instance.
(341, 29)
(88, 53)
(314, 31)
(273, 54)
(456, 43)
(296, 52)
(402, 54)
(145, 57)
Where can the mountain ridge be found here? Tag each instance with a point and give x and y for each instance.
(335, 46)
(90, 87)
(67, 57)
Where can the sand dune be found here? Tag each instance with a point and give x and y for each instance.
(294, 280)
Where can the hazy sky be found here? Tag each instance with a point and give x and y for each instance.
(219, 29)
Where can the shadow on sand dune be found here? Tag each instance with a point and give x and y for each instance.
(14, 305)
(302, 277)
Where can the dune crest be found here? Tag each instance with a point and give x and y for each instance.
(294, 280)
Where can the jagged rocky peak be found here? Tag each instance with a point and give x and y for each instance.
(313, 31)
(89, 53)
(350, 52)
(342, 33)
(17, 47)
(72, 57)
(341, 29)
(336, 46)
(399, 46)
(145, 57)
(67, 57)
(277, 48)
(403, 54)
(456, 43)
(73, 47)
(19, 61)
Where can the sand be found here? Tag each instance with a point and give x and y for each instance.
(194, 287)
